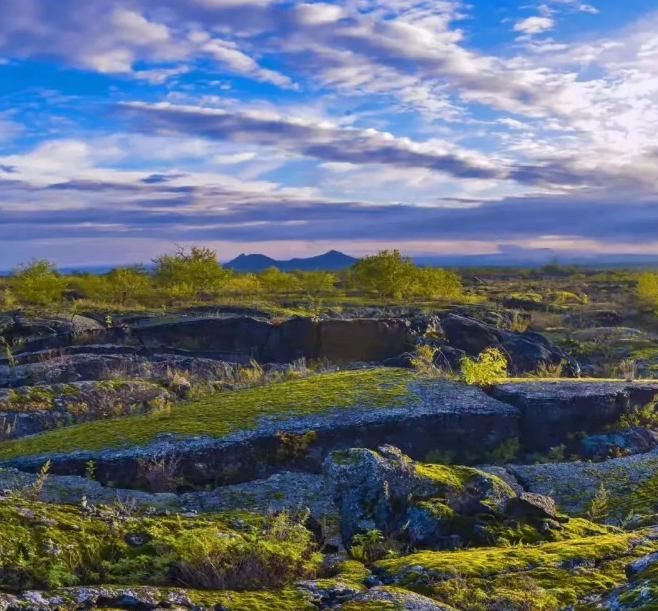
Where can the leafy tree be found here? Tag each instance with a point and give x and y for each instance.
(37, 283)
(314, 282)
(129, 284)
(274, 281)
(188, 274)
(387, 273)
(243, 284)
(435, 283)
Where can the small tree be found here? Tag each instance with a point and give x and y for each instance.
(37, 283)
(188, 274)
(316, 282)
(387, 273)
(647, 288)
(129, 284)
(435, 283)
(243, 284)
(276, 282)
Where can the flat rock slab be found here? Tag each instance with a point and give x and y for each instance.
(430, 415)
(551, 410)
(629, 483)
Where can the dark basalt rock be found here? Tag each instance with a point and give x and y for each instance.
(634, 440)
(526, 352)
(80, 367)
(27, 333)
(243, 338)
(551, 410)
(34, 409)
(529, 504)
(386, 490)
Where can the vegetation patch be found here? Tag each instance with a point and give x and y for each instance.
(49, 546)
(228, 412)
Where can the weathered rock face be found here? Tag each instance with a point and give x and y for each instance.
(82, 367)
(437, 414)
(34, 409)
(31, 333)
(526, 352)
(244, 338)
(634, 440)
(433, 505)
(551, 411)
(629, 483)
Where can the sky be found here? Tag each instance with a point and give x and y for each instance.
(293, 127)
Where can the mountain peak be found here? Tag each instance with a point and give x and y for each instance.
(332, 260)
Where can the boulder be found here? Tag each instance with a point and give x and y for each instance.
(533, 505)
(634, 440)
(430, 505)
(629, 483)
(553, 410)
(242, 338)
(363, 340)
(381, 597)
(526, 352)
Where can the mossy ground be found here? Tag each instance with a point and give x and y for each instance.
(548, 577)
(228, 412)
(45, 546)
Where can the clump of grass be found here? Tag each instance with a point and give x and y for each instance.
(628, 369)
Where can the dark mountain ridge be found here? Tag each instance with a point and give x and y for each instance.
(332, 260)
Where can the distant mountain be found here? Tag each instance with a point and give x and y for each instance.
(332, 260)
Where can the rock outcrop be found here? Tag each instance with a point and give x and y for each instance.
(33, 409)
(420, 417)
(526, 352)
(431, 505)
(243, 338)
(551, 411)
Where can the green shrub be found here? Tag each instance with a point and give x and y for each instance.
(489, 366)
(37, 283)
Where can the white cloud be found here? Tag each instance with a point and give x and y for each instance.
(534, 25)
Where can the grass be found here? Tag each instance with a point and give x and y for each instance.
(227, 412)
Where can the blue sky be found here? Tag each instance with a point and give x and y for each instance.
(290, 127)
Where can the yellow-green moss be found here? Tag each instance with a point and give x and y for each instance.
(482, 562)
(46, 546)
(228, 412)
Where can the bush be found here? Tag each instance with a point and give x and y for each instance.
(37, 283)
(488, 367)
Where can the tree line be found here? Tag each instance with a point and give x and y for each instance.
(194, 275)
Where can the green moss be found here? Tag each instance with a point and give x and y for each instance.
(547, 577)
(227, 412)
(46, 546)
(483, 562)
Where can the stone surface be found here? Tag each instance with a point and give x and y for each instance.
(438, 414)
(243, 338)
(33, 409)
(85, 367)
(551, 410)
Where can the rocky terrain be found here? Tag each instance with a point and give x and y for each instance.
(230, 460)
